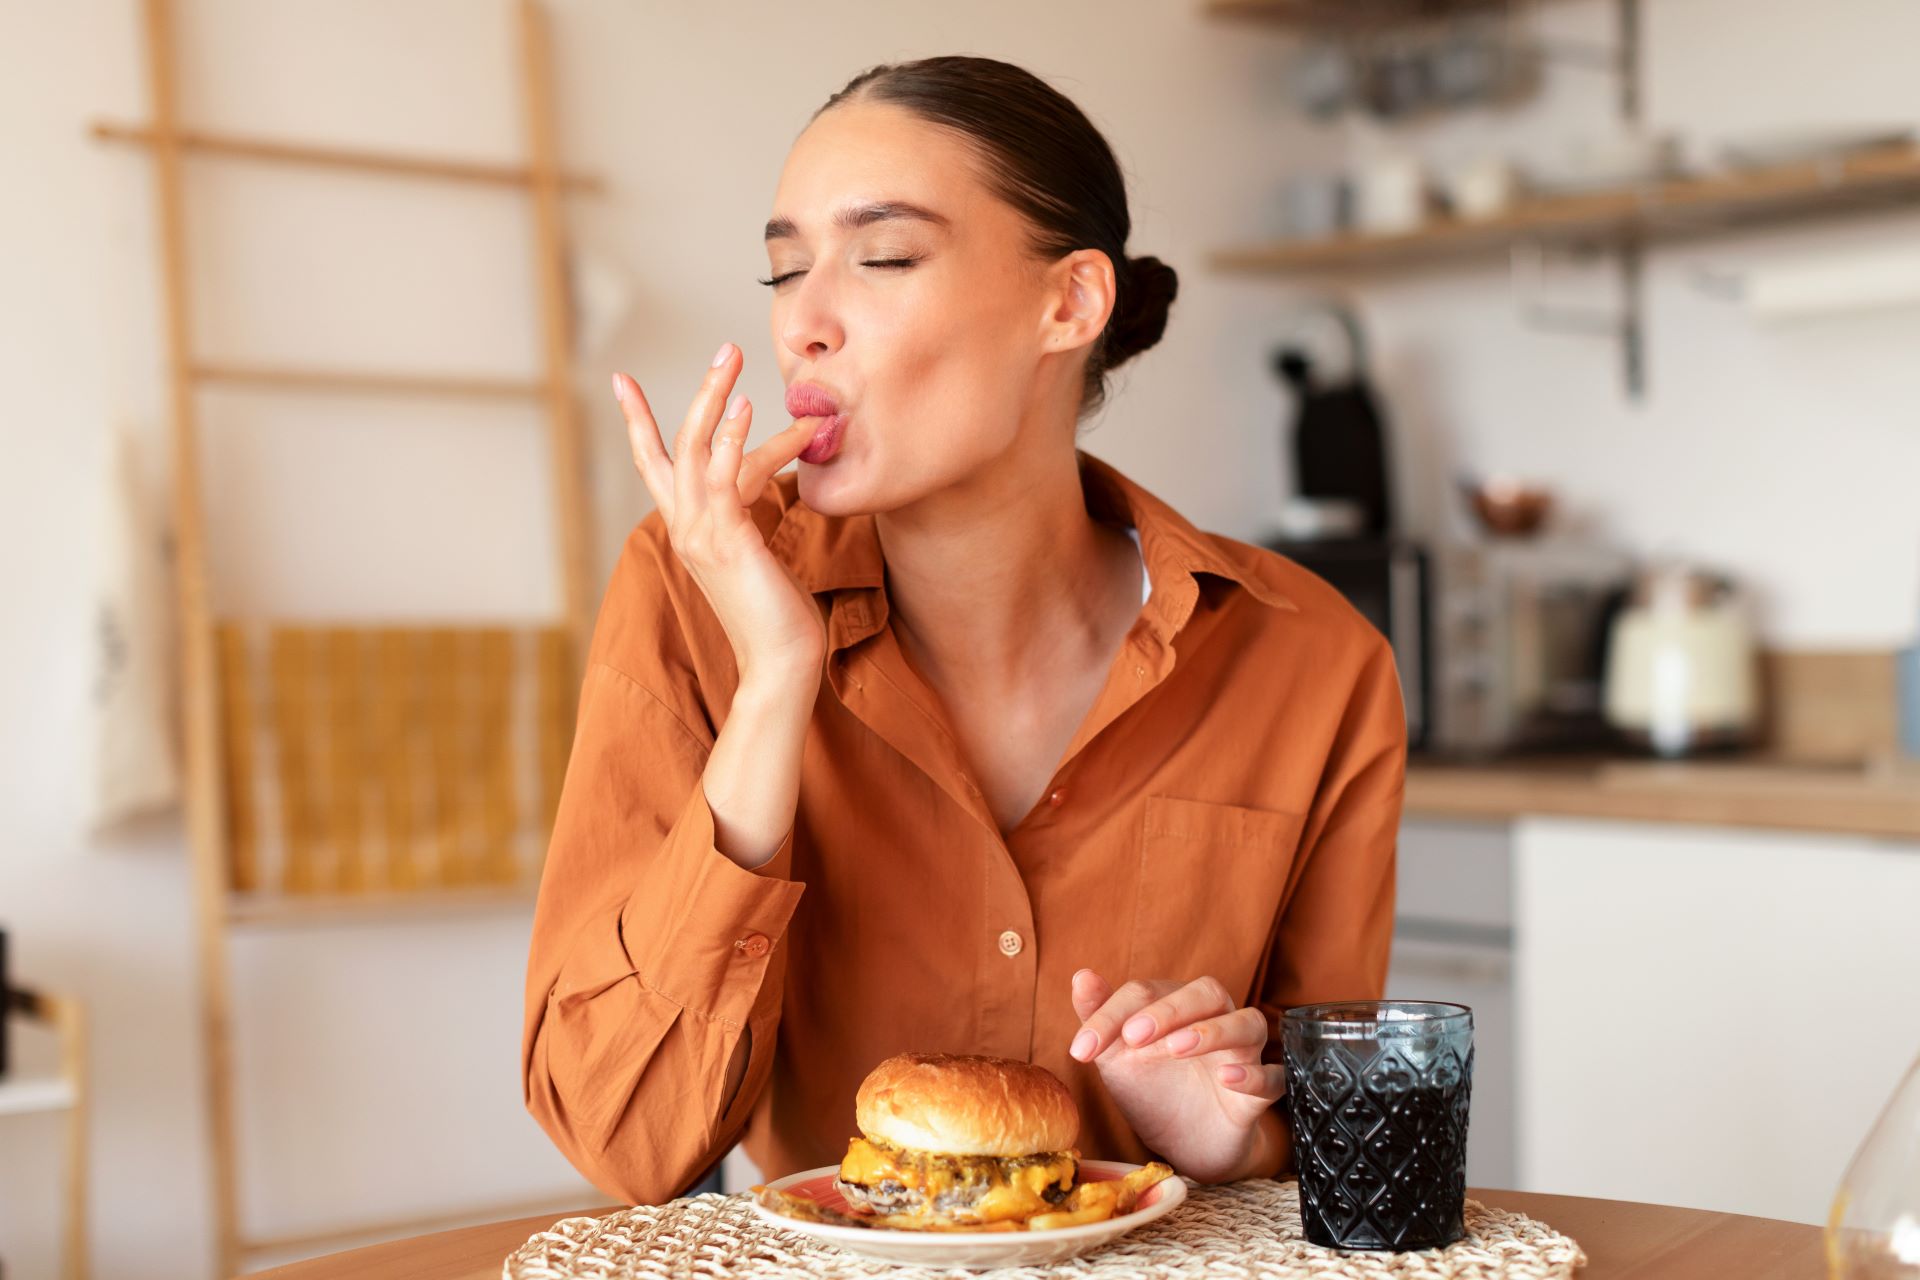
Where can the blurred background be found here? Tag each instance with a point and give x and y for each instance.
(1573, 340)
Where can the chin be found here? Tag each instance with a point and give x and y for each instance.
(834, 489)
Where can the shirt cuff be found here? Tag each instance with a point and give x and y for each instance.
(703, 930)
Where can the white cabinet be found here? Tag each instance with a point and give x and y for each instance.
(1452, 941)
(1708, 1017)
(1480, 978)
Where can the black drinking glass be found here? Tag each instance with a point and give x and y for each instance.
(1378, 1092)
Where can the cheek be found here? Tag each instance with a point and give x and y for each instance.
(945, 378)
(958, 362)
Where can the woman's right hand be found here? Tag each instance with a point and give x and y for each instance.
(703, 492)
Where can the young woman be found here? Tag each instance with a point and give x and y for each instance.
(956, 739)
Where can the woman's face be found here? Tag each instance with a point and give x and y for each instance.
(943, 363)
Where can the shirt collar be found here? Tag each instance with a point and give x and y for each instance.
(838, 553)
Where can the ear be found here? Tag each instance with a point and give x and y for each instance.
(1080, 297)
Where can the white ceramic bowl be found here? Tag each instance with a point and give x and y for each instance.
(973, 1248)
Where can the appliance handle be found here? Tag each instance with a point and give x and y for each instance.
(1357, 355)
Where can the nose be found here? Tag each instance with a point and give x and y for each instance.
(806, 321)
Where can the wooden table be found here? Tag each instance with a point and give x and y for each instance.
(1646, 1241)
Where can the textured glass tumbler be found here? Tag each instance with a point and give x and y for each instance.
(1378, 1091)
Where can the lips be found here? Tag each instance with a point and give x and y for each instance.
(811, 400)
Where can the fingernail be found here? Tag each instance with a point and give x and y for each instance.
(1233, 1075)
(619, 388)
(1083, 1044)
(733, 409)
(1138, 1028)
(720, 356)
(1183, 1040)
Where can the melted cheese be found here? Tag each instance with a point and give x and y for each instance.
(1015, 1193)
(1023, 1195)
(866, 1164)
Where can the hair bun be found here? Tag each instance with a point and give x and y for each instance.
(1148, 287)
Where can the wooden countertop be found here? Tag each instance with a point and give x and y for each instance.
(1880, 799)
(1646, 1241)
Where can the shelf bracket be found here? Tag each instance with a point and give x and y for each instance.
(1621, 59)
(1624, 321)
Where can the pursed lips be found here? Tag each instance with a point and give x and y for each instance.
(809, 400)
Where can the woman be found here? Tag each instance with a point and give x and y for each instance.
(957, 739)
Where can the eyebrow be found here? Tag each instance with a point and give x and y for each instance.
(855, 216)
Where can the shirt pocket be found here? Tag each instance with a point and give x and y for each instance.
(1210, 883)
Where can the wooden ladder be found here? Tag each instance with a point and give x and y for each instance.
(229, 886)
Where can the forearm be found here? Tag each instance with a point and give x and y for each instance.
(752, 777)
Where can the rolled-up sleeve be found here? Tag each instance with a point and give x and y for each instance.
(652, 953)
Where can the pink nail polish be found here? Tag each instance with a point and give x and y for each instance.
(1083, 1044)
(1233, 1075)
(733, 409)
(619, 388)
(720, 356)
(1183, 1040)
(1137, 1029)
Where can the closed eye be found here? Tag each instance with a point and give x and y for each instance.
(872, 262)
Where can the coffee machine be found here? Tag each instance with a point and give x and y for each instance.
(1340, 522)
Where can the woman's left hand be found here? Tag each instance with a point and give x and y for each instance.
(1183, 1064)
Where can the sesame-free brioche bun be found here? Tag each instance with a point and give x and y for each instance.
(964, 1105)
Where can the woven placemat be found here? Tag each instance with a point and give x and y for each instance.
(1240, 1229)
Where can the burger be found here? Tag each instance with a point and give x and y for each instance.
(952, 1140)
(964, 1143)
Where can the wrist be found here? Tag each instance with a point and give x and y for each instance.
(777, 690)
(780, 680)
(1268, 1154)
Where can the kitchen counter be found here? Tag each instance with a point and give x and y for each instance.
(1881, 799)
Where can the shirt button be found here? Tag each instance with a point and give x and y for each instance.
(754, 944)
(1057, 797)
(1010, 943)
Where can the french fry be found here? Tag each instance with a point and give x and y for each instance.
(1073, 1218)
(792, 1206)
(1135, 1183)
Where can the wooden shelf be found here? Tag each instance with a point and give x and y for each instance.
(1660, 211)
(1347, 15)
(351, 381)
(19, 1097)
(283, 152)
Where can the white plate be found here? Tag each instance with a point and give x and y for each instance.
(973, 1248)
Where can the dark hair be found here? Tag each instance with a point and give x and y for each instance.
(1042, 156)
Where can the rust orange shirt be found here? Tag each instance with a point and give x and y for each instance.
(1230, 806)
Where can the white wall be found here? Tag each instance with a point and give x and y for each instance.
(688, 110)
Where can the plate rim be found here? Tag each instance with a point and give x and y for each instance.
(1166, 1202)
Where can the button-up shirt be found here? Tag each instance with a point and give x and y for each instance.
(1229, 807)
